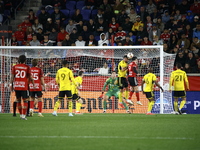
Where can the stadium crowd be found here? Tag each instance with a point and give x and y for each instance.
(172, 23)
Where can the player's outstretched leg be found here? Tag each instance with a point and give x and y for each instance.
(31, 108)
(126, 107)
(40, 109)
(138, 98)
(78, 106)
(182, 105)
(70, 108)
(57, 104)
(150, 105)
(104, 106)
(121, 99)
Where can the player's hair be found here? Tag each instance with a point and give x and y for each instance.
(34, 62)
(134, 58)
(22, 59)
(150, 70)
(178, 65)
(80, 73)
(125, 56)
(65, 62)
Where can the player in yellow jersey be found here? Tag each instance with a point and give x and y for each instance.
(122, 81)
(64, 77)
(178, 78)
(149, 79)
(76, 92)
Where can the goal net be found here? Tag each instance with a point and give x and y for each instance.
(90, 60)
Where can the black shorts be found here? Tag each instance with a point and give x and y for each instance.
(149, 95)
(22, 94)
(63, 93)
(122, 82)
(75, 97)
(36, 93)
(178, 94)
(132, 81)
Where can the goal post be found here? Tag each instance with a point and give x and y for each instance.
(90, 59)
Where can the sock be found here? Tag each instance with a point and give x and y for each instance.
(70, 106)
(31, 104)
(78, 106)
(28, 108)
(130, 94)
(57, 104)
(126, 94)
(175, 106)
(19, 105)
(150, 105)
(24, 108)
(104, 105)
(137, 95)
(14, 107)
(182, 104)
(126, 107)
(39, 107)
(120, 97)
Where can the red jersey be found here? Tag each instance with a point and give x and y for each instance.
(36, 73)
(21, 74)
(132, 67)
(114, 26)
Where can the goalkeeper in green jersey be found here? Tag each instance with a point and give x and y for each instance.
(113, 90)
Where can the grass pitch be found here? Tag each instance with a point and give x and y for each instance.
(100, 132)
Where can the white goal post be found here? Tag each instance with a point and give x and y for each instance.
(89, 59)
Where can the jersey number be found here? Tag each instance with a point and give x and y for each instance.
(20, 74)
(178, 78)
(63, 76)
(35, 76)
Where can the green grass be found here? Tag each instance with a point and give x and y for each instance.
(100, 132)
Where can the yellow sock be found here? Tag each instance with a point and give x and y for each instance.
(78, 106)
(175, 106)
(70, 106)
(120, 97)
(57, 104)
(150, 105)
(182, 104)
(126, 94)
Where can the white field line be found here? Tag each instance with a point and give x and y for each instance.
(103, 137)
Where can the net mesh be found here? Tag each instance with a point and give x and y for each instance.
(91, 61)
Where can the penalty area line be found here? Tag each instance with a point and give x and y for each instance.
(104, 137)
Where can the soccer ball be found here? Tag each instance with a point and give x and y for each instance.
(130, 55)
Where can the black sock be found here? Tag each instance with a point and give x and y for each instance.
(27, 112)
(14, 108)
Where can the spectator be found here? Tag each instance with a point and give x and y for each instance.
(43, 16)
(182, 23)
(36, 25)
(20, 35)
(34, 42)
(165, 36)
(118, 7)
(132, 15)
(127, 25)
(46, 41)
(58, 15)
(160, 25)
(85, 33)
(14, 41)
(53, 35)
(102, 40)
(187, 68)
(40, 35)
(195, 50)
(110, 35)
(148, 24)
(183, 43)
(140, 35)
(99, 15)
(101, 26)
(1, 11)
(155, 15)
(31, 16)
(71, 25)
(195, 42)
(188, 32)
(80, 41)
(127, 41)
(132, 37)
(190, 16)
(195, 7)
(25, 24)
(171, 23)
(195, 22)
(91, 25)
(138, 6)
(128, 8)
(67, 41)
(183, 7)
(29, 33)
(121, 33)
(143, 14)
(177, 15)
(104, 70)
(79, 27)
(49, 25)
(121, 17)
(165, 17)
(107, 9)
(146, 41)
(166, 48)
(61, 35)
(137, 24)
(180, 58)
(156, 41)
(91, 41)
(191, 60)
(77, 17)
(74, 35)
(154, 32)
(150, 7)
(197, 68)
(196, 32)
(113, 24)
(172, 42)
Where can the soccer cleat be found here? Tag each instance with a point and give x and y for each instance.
(139, 103)
(54, 114)
(121, 105)
(14, 115)
(150, 114)
(23, 118)
(78, 113)
(70, 114)
(129, 101)
(104, 111)
(128, 112)
(179, 111)
(31, 113)
(40, 115)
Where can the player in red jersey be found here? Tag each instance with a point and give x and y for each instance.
(20, 77)
(38, 77)
(132, 74)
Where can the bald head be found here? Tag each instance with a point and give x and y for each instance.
(150, 70)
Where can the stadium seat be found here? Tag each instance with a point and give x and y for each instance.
(94, 12)
(50, 11)
(38, 12)
(71, 13)
(65, 12)
(86, 14)
(70, 5)
(80, 5)
(97, 38)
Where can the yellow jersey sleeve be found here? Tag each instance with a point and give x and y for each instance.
(121, 65)
(78, 80)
